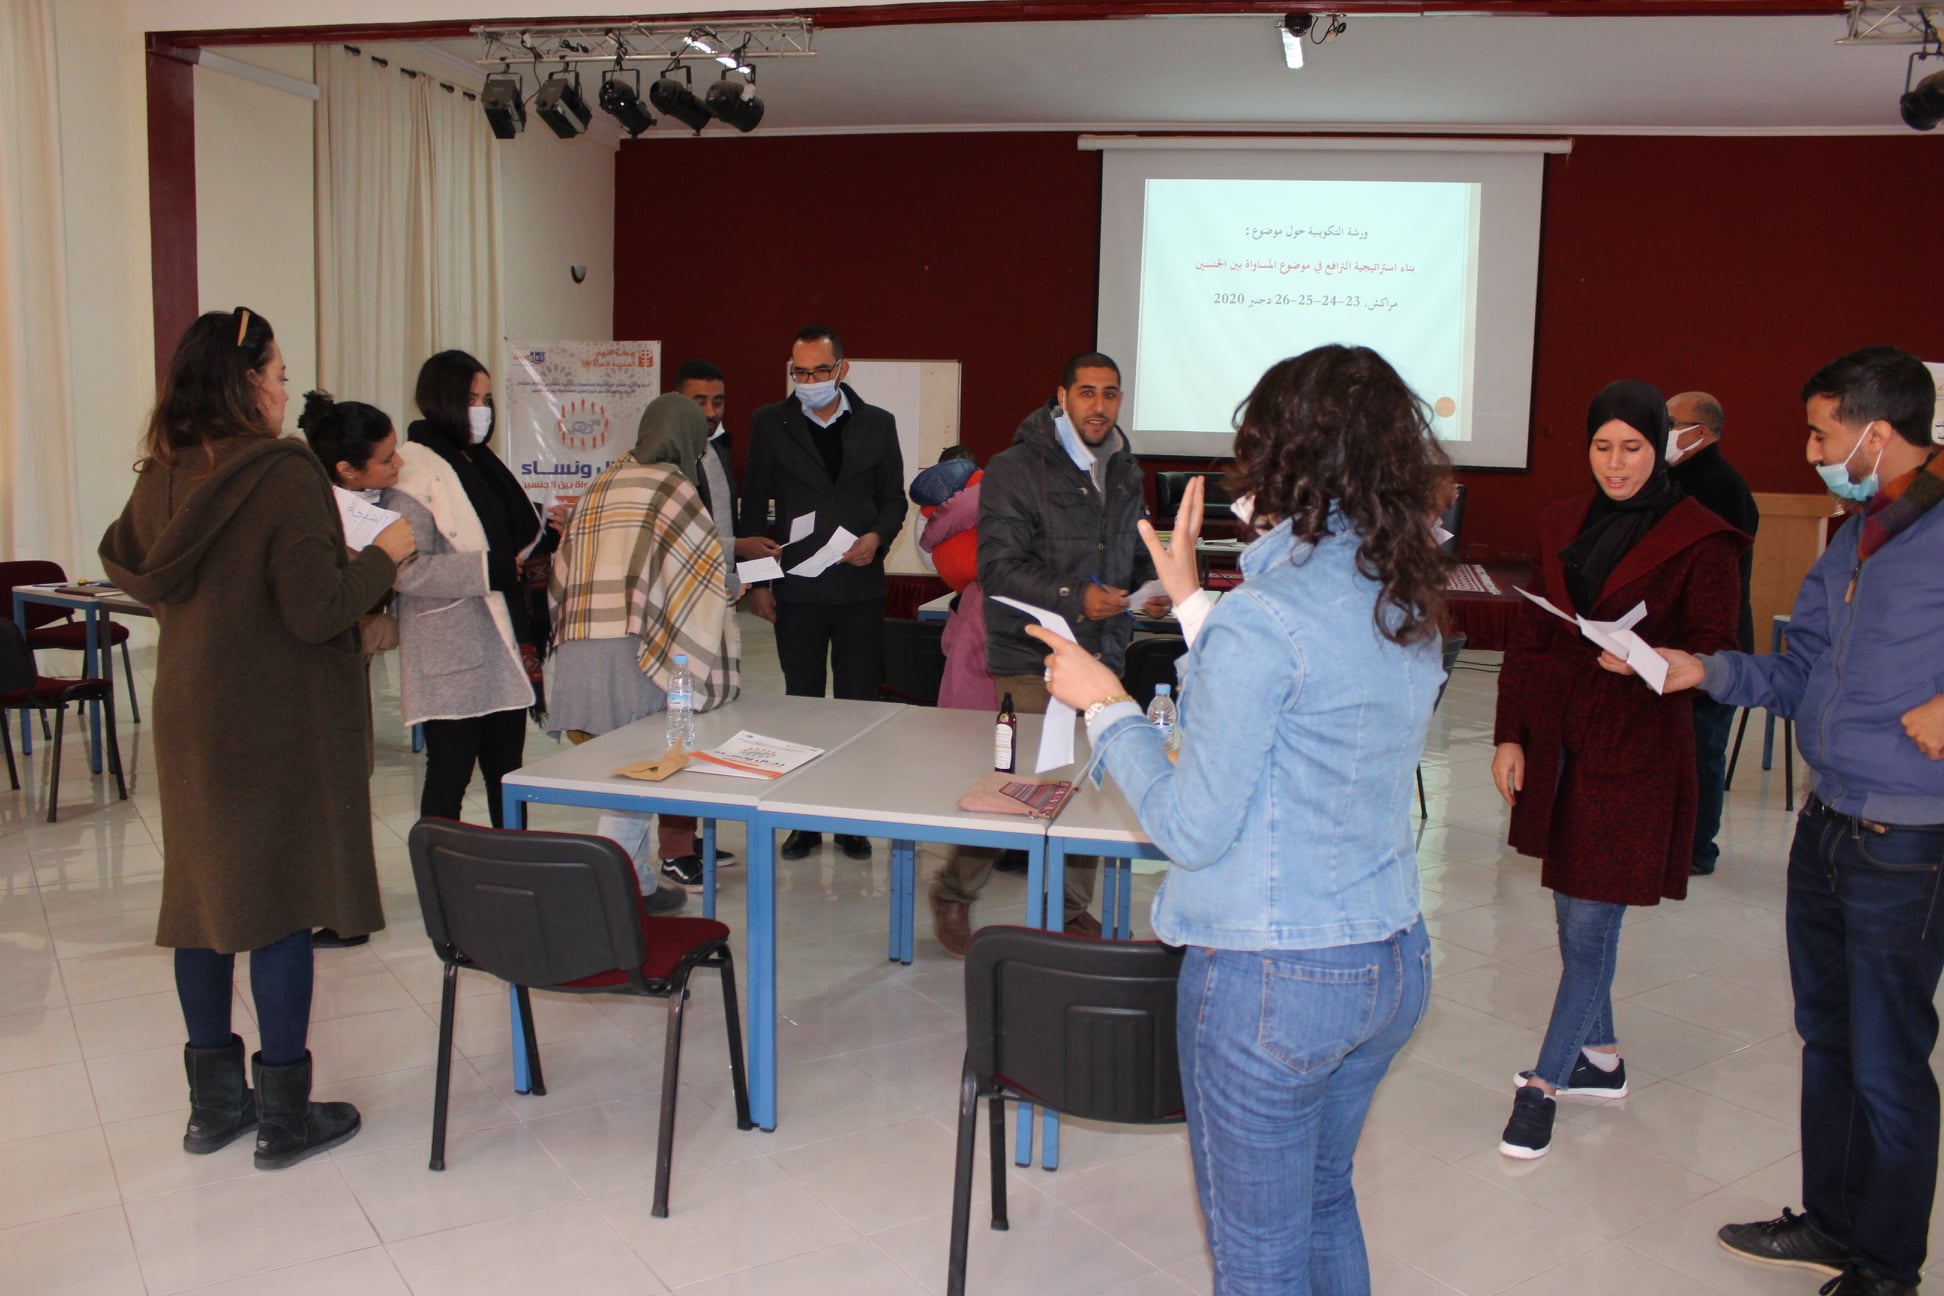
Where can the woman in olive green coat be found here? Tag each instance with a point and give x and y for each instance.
(232, 539)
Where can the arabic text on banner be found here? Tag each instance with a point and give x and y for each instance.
(569, 409)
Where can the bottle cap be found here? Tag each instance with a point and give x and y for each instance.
(681, 659)
(1162, 690)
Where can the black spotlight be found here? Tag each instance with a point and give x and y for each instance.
(505, 109)
(1923, 107)
(622, 102)
(735, 102)
(559, 104)
(673, 98)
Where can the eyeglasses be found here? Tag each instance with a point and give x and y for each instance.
(822, 373)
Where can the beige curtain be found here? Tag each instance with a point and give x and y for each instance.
(408, 229)
(37, 468)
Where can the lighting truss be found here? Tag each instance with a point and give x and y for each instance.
(1872, 23)
(731, 44)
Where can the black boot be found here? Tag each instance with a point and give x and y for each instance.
(290, 1126)
(221, 1106)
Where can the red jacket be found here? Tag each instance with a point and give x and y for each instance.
(1609, 792)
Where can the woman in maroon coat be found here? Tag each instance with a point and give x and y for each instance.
(1599, 769)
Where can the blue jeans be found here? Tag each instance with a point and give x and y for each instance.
(1582, 1013)
(1281, 1051)
(1713, 722)
(1866, 944)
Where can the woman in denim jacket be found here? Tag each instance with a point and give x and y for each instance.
(1293, 879)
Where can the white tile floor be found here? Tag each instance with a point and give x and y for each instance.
(850, 1193)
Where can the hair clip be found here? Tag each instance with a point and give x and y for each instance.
(242, 324)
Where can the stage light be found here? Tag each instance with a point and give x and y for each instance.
(622, 102)
(1923, 106)
(735, 102)
(559, 104)
(1294, 27)
(505, 108)
(673, 98)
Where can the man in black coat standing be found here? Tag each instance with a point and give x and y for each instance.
(822, 451)
(1694, 457)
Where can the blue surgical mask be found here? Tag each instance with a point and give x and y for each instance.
(817, 395)
(1836, 476)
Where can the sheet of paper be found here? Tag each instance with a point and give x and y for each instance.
(1154, 589)
(752, 753)
(801, 527)
(1618, 638)
(1056, 731)
(751, 570)
(362, 519)
(1438, 533)
(828, 556)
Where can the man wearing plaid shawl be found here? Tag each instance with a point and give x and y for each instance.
(639, 577)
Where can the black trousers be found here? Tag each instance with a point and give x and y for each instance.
(851, 635)
(495, 742)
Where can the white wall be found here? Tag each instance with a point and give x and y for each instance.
(104, 179)
(256, 242)
(557, 209)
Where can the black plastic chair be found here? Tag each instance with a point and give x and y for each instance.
(1453, 645)
(23, 687)
(53, 627)
(562, 911)
(914, 661)
(1078, 1026)
(1170, 486)
(1151, 660)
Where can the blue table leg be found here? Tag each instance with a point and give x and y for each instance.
(90, 657)
(708, 867)
(26, 728)
(522, 1079)
(904, 869)
(761, 941)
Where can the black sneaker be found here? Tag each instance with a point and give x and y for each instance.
(325, 938)
(800, 843)
(1587, 1081)
(857, 848)
(665, 900)
(1858, 1281)
(1789, 1240)
(725, 859)
(685, 872)
(1529, 1133)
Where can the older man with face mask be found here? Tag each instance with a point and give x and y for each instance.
(1694, 459)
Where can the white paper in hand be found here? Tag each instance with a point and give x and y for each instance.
(1154, 589)
(362, 519)
(751, 570)
(829, 556)
(1056, 731)
(1618, 638)
(801, 526)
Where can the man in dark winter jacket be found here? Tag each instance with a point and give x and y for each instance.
(1056, 530)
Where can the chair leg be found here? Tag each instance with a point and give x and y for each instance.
(968, 1124)
(114, 743)
(1788, 764)
(128, 673)
(738, 1075)
(536, 1085)
(6, 740)
(998, 1132)
(1422, 812)
(671, 1076)
(54, 763)
(442, 1083)
(1734, 754)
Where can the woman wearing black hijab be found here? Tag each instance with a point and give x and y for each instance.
(1599, 769)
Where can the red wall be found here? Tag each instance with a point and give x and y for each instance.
(1733, 265)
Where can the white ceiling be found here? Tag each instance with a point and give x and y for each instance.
(1780, 75)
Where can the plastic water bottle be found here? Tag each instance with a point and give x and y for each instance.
(681, 705)
(1161, 714)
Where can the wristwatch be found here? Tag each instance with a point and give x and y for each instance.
(1095, 708)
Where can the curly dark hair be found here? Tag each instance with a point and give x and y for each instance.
(1336, 426)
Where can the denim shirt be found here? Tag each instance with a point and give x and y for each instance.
(1286, 819)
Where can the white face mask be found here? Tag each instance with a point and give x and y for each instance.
(1675, 450)
(1244, 510)
(480, 422)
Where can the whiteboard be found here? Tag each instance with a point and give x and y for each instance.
(923, 395)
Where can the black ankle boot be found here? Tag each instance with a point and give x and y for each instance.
(290, 1126)
(221, 1106)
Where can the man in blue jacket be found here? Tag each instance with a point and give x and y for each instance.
(1865, 923)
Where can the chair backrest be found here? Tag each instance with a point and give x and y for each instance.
(534, 908)
(33, 571)
(1168, 488)
(1086, 1027)
(16, 659)
(1150, 661)
(1454, 519)
(914, 660)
